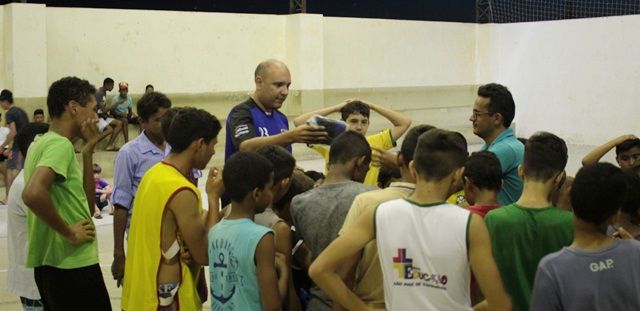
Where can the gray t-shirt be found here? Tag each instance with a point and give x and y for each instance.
(578, 279)
(318, 215)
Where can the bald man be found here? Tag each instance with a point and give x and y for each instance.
(257, 121)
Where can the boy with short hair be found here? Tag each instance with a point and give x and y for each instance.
(569, 279)
(527, 230)
(62, 246)
(482, 180)
(356, 114)
(368, 278)
(103, 191)
(629, 216)
(169, 218)
(627, 151)
(422, 267)
(318, 214)
(38, 116)
(241, 253)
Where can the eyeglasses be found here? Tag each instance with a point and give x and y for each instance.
(476, 114)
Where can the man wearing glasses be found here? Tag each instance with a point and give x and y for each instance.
(493, 112)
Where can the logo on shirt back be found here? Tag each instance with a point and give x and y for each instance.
(410, 275)
(224, 275)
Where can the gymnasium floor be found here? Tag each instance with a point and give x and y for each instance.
(9, 302)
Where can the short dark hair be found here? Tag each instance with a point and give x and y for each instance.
(484, 170)
(283, 162)
(150, 103)
(65, 90)
(315, 175)
(245, 171)
(438, 153)
(6, 95)
(631, 203)
(410, 141)
(149, 86)
(347, 146)
(28, 133)
(300, 183)
(500, 101)
(355, 107)
(167, 119)
(97, 168)
(597, 192)
(627, 145)
(38, 111)
(107, 81)
(387, 173)
(545, 155)
(188, 125)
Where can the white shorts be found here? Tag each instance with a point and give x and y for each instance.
(103, 123)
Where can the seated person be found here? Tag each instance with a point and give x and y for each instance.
(103, 191)
(569, 279)
(121, 108)
(356, 114)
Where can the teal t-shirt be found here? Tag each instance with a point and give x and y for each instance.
(510, 152)
(232, 268)
(121, 108)
(520, 237)
(46, 246)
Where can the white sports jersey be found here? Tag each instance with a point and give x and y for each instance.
(423, 255)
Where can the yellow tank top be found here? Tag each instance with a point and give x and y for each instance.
(140, 290)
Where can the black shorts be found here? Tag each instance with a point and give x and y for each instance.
(72, 289)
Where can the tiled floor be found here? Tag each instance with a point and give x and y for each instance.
(9, 302)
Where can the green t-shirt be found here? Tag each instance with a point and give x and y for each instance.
(520, 237)
(46, 246)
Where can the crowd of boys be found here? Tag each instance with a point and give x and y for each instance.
(274, 239)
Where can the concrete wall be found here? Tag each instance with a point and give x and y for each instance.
(178, 52)
(391, 53)
(569, 77)
(576, 78)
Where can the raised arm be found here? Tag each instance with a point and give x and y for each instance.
(484, 267)
(401, 123)
(323, 269)
(596, 154)
(302, 119)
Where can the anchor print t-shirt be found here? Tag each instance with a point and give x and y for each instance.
(232, 268)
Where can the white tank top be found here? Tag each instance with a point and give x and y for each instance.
(423, 255)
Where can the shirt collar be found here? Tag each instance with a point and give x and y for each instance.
(145, 145)
(401, 184)
(508, 133)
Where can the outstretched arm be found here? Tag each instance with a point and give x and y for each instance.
(300, 134)
(401, 123)
(323, 269)
(596, 154)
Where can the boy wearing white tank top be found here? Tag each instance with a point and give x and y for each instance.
(426, 246)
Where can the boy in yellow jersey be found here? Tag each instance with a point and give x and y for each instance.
(170, 218)
(356, 114)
